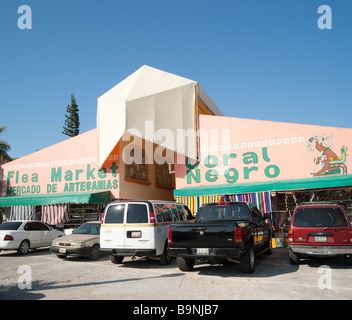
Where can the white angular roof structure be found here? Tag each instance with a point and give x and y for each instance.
(151, 98)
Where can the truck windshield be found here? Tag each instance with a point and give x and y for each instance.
(236, 212)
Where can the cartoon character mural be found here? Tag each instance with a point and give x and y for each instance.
(330, 163)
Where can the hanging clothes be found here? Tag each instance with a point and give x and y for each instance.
(22, 213)
(54, 214)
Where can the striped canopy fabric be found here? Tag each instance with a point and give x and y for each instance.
(55, 214)
(22, 213)
(260, 199)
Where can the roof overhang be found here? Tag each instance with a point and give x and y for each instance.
(45, 199)
(279, 185)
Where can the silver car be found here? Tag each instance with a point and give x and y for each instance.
(83, 242)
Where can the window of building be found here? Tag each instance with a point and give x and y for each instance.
(164, 175)
(136, 167)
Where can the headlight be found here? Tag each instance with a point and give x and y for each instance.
(55, 243)
(78, 244)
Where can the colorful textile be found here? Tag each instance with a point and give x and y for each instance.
(260, 199)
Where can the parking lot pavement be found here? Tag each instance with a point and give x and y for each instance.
(41, 275)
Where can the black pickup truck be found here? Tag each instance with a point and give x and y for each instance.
(234, 231)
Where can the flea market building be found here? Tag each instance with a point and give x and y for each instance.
(159, 136)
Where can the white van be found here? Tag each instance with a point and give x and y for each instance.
(140, 228)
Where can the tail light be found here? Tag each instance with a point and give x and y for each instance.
(169, 235)
(290, 235)
(151, 217)
(350, 235)
(8, 238)
(102, 218)
(238, 236)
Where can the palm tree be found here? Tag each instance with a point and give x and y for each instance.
(4, 148)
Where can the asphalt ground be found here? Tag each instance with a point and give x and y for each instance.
(40, 275)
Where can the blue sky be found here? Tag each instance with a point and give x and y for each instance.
(256, 59)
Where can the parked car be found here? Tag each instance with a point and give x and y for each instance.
(26, 234)
(320, 230)
(83, 242)
(139, 228)
(234, 231)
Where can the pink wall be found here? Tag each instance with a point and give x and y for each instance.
(68, 166)
(243, 150)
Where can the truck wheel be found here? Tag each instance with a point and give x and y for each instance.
(116, 259)
(185, 264)
(294, 258)
(165, 258)
(248, 261)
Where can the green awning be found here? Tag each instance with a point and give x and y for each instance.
(277, 185)
(42, 199)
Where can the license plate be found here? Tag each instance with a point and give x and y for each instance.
(203, 251)
(320, 238)
(62, 250)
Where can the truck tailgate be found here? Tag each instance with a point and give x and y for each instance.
(198, 235)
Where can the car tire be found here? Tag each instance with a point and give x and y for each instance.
(24, 247)
(247, 264)
(116, 259)
(165, 258)
(294, 258)
(94, 253)
(185, 264)
(348, 259)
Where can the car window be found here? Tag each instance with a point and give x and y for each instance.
(12, 225)
(319, 217)
(115, 214)
(163, 212)
(137, 213)
(88, 228)
(175, 214)
(31, 226)
(42, 226)
(236, 212)
(188, 213)
(181, 214)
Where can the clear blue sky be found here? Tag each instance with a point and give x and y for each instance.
(259, 59)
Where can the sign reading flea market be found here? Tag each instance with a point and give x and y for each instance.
(88, 178)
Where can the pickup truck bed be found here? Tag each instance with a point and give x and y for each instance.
(232, 230)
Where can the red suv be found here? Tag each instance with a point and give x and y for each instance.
(319, 229)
